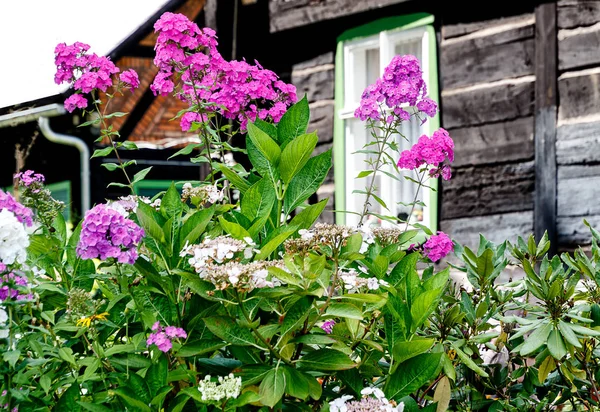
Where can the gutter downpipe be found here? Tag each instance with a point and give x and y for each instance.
(84, 157)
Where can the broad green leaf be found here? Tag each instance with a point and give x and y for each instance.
(307, 181)
(296, 383)
(275, 239)
(126, 396)
(236, 180)
(412, 374)
(93, 407)
(235, 230)
(228, 330)
(66, 354)
(272, 387)
(194, 226)
(536, 340)
(568, 334)
(199, 347)
(547, 366)
(403, 351)
(12, 356)
(171, 204)
(268, 128)
(308, 215)
(344, 310)
(442, 394)
(145, 215)
(423, 305)
(469, 363)
(314, 339)
(296, 154)
(103, 152)
(296, 315)
(556, 345)
(156, 377)
(262, 165)
(69, 400)
(258, 200)
(294, 121)
(326, 360)
(139, 387)
(265, 145)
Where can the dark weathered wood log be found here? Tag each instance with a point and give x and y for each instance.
(575, 13)
(326, 58)
(496, 228)
(578, 190)
(578, 143)
(487, 190)
(572, 231)
(321, 120)
(579, 94)
(461, 29)
(579, 49)
(317, 83)
(285, 14)
(480, 105)
(494, 143)
(501, 55)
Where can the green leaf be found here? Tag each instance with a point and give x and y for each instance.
(326, 360)
(296, 154)
(296, 315)
(198, 348)
(227, 329)
(272, 387)
(265, 145)
(93, 407)
(294, 121)
(235, 230)
(139, 387)
(364, 173)
(66, 354)
(556, 345)
(156, 377)
(171, 204)
(258, 200)
(275, 239)
(195, 225)
(536, 340)
(186, 150)
(236, 180)
(314, 339)
(268, 128)
(134, 404)
(547, 366)
(568, 334)
(344, 310)
(141, 175)
(412, 374)
(261, 164)
(442, 394)
(403, 351)
(102, 152)
(11, 357)
(69, 401)
(309, 215)
(111, 167)
(469, 363)
(423, 305)
(307, 181)
(296, 383)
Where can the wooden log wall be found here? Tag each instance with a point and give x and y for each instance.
(316, 79)
(487, 102)
(578, 132)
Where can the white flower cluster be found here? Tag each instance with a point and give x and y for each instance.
(227, 387)
(247, 276)
(373, 400)
(216, 251)
(353, 282)
(202, 194)
(3, 323)
(13, 239)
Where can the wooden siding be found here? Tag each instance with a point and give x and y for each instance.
(578, 133)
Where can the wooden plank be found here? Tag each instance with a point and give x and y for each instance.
(321, 120)
(578, 143)
(488, 190)
(496, 228)
(575, 13)
(497, 102)
(326, 58)
(494, 143)
(546, 98)
(579, 48)
(286, 14)
(461, 29)
(500, 55)
(317, 83)
(579, 94)
(573, 232)
(578, 190)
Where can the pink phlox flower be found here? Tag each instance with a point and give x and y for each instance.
(29, 177)
(438, 246)
(162, 338)
(22, 213)
(328, 325)
(75, 101)
(130, 78)
(431, 151)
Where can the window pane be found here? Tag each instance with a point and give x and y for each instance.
(409, 46)
(363, 70)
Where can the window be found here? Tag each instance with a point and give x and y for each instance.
(362, 55)
(151, 188)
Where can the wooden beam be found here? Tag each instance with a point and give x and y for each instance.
(546, 92)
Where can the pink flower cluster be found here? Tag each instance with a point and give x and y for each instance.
(328, 325)
(432, 151)
(106, 233)
(402, 84)
(22, 213)
(162, 337)
(29, 178)
(438, 246)
(12, 285)
(236, 89)
(86, 73)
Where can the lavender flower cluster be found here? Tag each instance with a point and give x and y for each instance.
(163, 337)
(13, 286)
(107, 233)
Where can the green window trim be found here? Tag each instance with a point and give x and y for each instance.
(396, 23)
(62, 191)
(155, 186)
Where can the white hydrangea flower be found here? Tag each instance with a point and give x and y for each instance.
(226, 388)
(339, 404)
(372, 284)
(306, 234)
(13, 239)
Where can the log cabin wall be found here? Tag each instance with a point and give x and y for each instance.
(578, 127)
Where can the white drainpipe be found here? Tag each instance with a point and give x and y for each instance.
(84, 157)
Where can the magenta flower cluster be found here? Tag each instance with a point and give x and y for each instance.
(29, 178)
(438, 246)
(162, 337)
(22, 213)
(12, 286)
(431, 151)
(86, 73)
(235, 89)
(402, 84)
(106, 233)
(328, 325)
